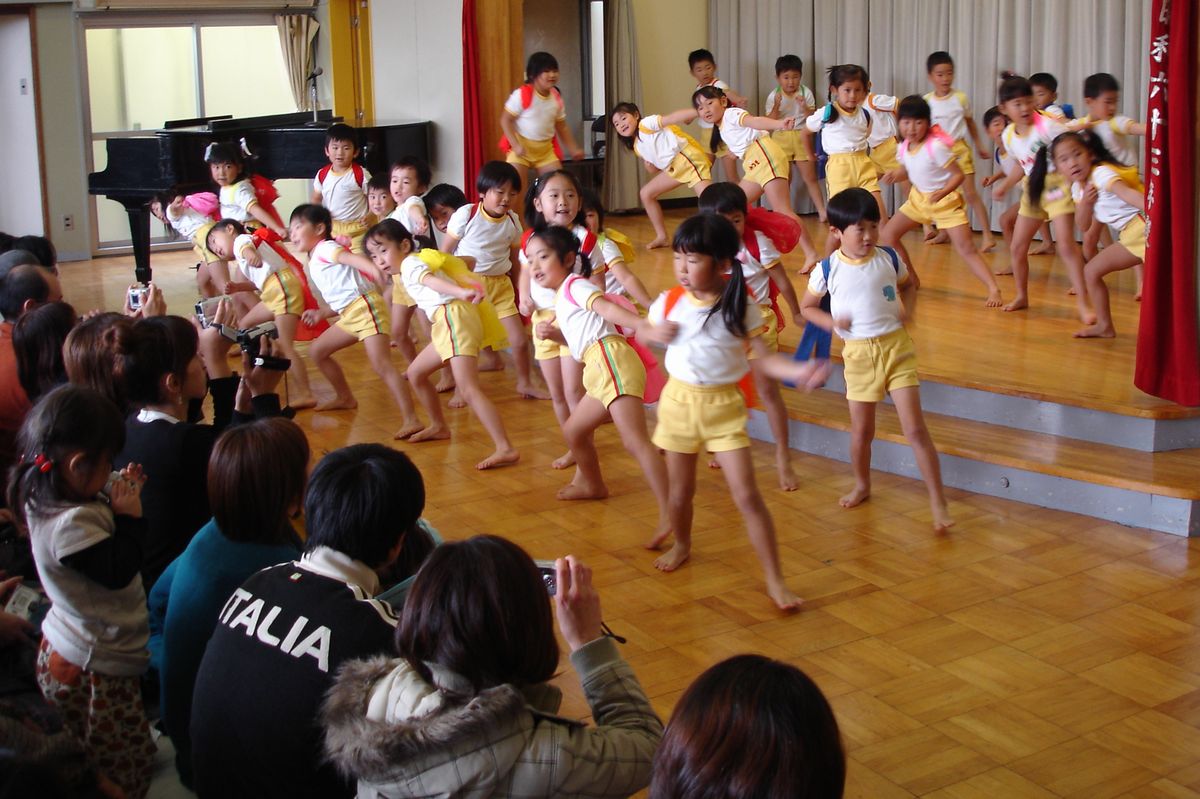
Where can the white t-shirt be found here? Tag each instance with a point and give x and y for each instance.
(796, 106)
(1116, 137)
(883, 118)
(580, 325)
(927, 167)
(735, 134)
(1110, 209)
(865, 290)
(847, 133)
(236, 200)
(1024, 148)
(272, 261)
(657, 144)
(536, 122)
(544, 298)
(704, 354)
(403, 212)
(720, 84)
(187, 221)
(950, 112)
(338, 283)
(755, 270)
(486, 238)
(412, 271)
(345, 198)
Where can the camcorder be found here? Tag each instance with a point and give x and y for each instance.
(250, 340)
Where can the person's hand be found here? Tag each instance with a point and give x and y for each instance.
(125, 495)
(312, 317)
(938, 196)
(809, 375)
(544, 330)
(225, 315)
(842, 322)
(778, 104)
(789, 124)
(259, 379)
(989, 180)
(577, 155)
(525, 306)
(517, 148)
(420, 225)
(252, 256)
(663, 333)
(1090, 194)
(577, 603)
(235, 286)
(153, 303)
(999, 190)
(890, 177)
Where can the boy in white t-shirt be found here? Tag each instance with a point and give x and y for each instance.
(342, 186)
(792, 99)
(409, 179)
(864, 284)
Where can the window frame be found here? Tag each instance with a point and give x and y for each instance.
(585, 49)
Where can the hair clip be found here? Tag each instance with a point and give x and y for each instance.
(208, 151)
(42, 463)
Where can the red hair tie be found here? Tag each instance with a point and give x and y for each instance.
(43, 463)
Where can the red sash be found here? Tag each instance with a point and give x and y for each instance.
(272, 239)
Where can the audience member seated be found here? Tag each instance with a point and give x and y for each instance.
(90, 352)
(751, 726)
(467, 710)
(38, 338)
(282, 636)
(40, 248)
(256, 476)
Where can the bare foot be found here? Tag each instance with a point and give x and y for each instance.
(457, 401)
(573, 491)
(446, 383)
(930, 232)
(490, 361)
(1138, 296)
(994, 300)
(431, 433)
(941, 519)
(409, 428)
(810, 261)
(1045, 248)
(988, 244)
(1018, 304)
(1096, 331)
(1071, 292)
(564, 461)
(661, 241)
(1004, 270)
(856, 497)
(530, 391)
(303, 404)
(788, 481)
(337, 404)
(673, 558)
(783, 597)
(1086, 315)
(501, 457)
(804, 270)
(941, 238)
(713, 463)
(660, 537)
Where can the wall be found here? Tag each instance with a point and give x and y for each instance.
(555, 27)
(20, 211)
(416, 52)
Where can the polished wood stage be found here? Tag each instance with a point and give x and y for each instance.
(1029, 653)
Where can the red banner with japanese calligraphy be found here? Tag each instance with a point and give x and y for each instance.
(1168, 348)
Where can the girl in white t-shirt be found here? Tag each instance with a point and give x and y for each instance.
(1107, 192)
(614, 377)
(707, 322)
(238, 197)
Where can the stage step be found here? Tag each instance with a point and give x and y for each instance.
(1160, 491)
(1155, 429)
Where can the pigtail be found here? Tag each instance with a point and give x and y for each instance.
(731, 305)
(1037, 175)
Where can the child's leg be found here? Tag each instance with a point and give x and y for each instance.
(322, 351)
(379, 352)
(655, 187)
(204, 281)
(681, 482)
(1064, 229)
(883, 214)
(777, 418)
(808, 171)
(738, 468)
(1091, 239)
(466, 375)
(862, 433)
(1111, 259)
(553, 374)
(401, 319)
(975, 203)
(1018, 254)
(579, 431)
(287, 325)
(891, 235)
(629, 415)
(1139, 274)
(1047, 245)
(779, 194)
(518, 339)
(572, 377)
(426, 363)
(729, 170)
(964, 244)
(546, 169)
(1008, 221)
(908, 408)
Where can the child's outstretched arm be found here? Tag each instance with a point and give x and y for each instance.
(973, 130)
(808, 374)
(786, 290)
(449, 243)
(616, 314)
(364, 265)
(683, 116)
(472, 294)
(564, 132)
(631, 282)
(1011, 180)
(897, 175)
(258, 212)
(810, 309)
(766, 123)
(1129, 194)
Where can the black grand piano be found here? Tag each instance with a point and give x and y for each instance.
(284, 146)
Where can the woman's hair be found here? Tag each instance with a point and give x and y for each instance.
(37, 340)
(715, 236)
(589, 200)
(914, 107)
(89, 355)
(624, 108)
(563, 243)
(844, 73)
(1013, 86)
(40, 248)
(390, 230)
(751, 727)
(67, 420)
(446, 196)
(992, 114)
(256, 475)
(150, 350)
(723, 198)
(710, 93)
(538, 63)
(535, 218)
(314, 215)
(479, 608)
(1041, 161)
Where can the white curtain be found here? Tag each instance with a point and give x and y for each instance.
(1070, 39)
(297, 33)
(623, 80)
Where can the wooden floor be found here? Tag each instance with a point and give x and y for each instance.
(1031, 653)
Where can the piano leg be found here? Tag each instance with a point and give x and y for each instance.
(139, 236)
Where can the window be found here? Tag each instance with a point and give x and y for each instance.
(593, 56)
(141, 75)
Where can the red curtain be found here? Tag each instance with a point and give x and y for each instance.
(1168, 348)
(473, 144)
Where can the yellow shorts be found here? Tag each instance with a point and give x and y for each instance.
(706, 135)
(400, 295)
(884, 156)
(690, 166)
(1056, 199)
(200, 247)
(851, 170)
(612, 369)
(948, 212)
(875, 366)
(770, 329)
(283, 293)
(456, 330)
(367, 316)
(537, 154)
(695, 418)
(1133, 236)
(353, 229)
(765, 161)
(500, 294)
(792, 144)
(545, 349)
(966, 159)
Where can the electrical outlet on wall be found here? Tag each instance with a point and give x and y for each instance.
(68, 222)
